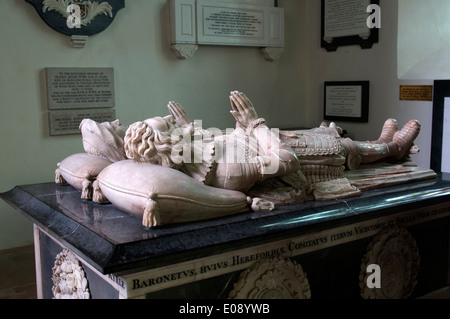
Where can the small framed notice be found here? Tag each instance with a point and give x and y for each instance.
(347, 101)
(416, 93)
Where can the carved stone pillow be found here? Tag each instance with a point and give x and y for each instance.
(79, 171)
(162, 195)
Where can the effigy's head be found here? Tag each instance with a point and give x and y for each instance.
(150, 141)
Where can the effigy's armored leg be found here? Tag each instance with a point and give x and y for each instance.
(369, 152)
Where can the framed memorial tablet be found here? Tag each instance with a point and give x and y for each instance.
(347, 101)
(350, 22)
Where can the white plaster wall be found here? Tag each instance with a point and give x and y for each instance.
(424, 39)
(423, 56)
(147, 75)
(378, 65)
(351, 63)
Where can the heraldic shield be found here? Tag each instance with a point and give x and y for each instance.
(78, 17)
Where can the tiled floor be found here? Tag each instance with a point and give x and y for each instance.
(17, 273)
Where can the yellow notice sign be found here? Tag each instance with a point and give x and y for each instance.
(416, 93)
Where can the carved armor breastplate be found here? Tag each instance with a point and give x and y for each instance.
(311, 144)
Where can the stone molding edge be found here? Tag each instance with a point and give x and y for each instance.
(79, 41)
(272, 54)
(185, 51)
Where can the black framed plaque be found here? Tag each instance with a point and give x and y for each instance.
(347, 101)
(349, 22)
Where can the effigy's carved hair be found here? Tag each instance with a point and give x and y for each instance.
(144, 144)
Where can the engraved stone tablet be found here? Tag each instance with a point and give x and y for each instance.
(235, 24)
(68, 122)
(256, 23)
(74, 88)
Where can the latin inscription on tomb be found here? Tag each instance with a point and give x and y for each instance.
(72, 88)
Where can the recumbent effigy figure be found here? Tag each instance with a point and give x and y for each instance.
(166, 169)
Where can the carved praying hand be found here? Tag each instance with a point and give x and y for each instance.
(243, 110)
(178, 113)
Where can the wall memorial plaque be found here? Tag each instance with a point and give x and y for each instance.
(74, 94)
(233, 23)
(228, 24)
(73, 88)
(68, 122)
(350, 22)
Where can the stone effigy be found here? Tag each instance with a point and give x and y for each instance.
(171, 170)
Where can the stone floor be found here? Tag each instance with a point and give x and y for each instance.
(17, 273)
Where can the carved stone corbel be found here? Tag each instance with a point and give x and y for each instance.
(79, 41)
(184, 51)
(272, 54)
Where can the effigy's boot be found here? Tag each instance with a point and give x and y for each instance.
(390, 127)
(403, 141)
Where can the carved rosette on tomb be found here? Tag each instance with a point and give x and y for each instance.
(395, 251)
(276, 278)
(69, 278)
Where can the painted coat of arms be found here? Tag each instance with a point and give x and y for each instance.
(78, 17)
